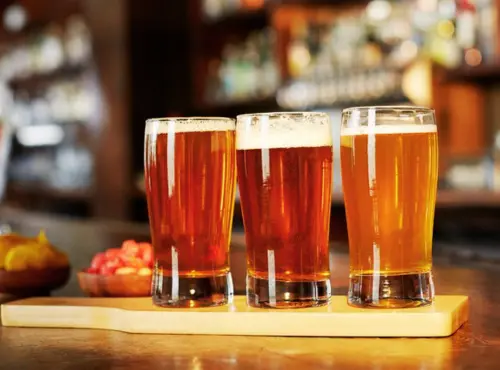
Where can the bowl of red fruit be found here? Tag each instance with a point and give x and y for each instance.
(119, 272)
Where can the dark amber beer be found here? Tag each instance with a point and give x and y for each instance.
(285, 181)
(389, 162)
(190, 174)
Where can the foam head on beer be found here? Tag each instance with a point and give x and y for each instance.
(387, 120)
(188, 124)
(283, 130)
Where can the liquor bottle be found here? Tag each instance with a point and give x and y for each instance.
(487, 20)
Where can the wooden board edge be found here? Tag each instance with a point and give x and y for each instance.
(116, 319)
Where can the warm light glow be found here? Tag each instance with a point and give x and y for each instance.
(416, 83)
(299, 59)
(446, 29)
(14, 18)
(378, 10)
(196, 364)
(473, 57)
(409, 49)
(427, 5)
(447, 8)
(40, 135)
(253, 4)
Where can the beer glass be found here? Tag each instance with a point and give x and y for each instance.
(284, 163)
(389, 160)
(190, 174)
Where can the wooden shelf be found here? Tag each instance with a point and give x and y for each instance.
(37, 81)
(233, 108)
(445, 198)
(488, 73)
(16, 190)
(270, 103)
(468, 198)
(257, 17)
(261, 13)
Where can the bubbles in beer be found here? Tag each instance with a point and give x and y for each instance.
(194, 124)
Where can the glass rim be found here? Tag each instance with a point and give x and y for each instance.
(278, 114)
(194, 118)
(415, 109)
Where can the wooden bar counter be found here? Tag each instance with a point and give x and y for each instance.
(476, 345)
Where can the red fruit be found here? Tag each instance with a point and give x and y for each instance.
(131, 248)
(92, 270)
(114, 263)
(128, 261)
(113, 253)
(98, 260)
(107, 270)
(134, 262)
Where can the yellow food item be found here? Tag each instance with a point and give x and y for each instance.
(4, 249)
(20, 253)
(145, 271)
(7, 242)
(42, 238)
(22, 258)
(12, 240)
(125, 271)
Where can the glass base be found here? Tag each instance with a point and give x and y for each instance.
(188, 292)
(391, 291)
(287, 294)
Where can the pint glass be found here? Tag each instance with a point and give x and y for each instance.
(284, 163)
(190, 174)
(389, 158)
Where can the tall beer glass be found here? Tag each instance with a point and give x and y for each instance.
(389, 159)
(190, 174)
(285, 181)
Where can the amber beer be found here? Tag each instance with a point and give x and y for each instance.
(190, 174)
(285, 181)
(389, 176)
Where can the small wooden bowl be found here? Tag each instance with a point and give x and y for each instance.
(96, 285)
(29, 283)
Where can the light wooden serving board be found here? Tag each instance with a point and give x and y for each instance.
(138, 315)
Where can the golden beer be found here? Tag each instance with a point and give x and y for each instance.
(285, 181)
(389, 177)
(190, 183)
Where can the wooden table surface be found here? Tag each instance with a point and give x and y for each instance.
(476, 345)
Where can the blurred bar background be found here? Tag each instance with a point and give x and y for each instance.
(78, 78)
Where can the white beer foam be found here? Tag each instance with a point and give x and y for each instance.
(283, 135)
(387, 129)
(166, 125)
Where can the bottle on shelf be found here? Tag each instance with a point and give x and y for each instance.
(247, 70)
(214, 9)
(355, 58)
